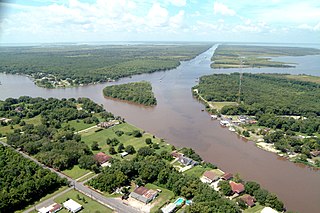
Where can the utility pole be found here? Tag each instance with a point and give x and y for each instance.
(240, 82)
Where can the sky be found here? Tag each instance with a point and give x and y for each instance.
(273, 21)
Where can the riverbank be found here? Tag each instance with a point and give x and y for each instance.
(255, 135)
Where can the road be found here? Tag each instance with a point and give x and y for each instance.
(113, 203)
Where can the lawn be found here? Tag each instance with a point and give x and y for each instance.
(90, 206)
(7, 129)
(308, 78)
(87, 177)
(78, 125)
(256, 209)
(75, 172)
(163, 197)
(196, 171)
(219, 105)
(136, 142)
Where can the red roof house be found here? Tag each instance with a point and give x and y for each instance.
(236, 187)
(176, 154)
(102, 158)
(227, 176)
(249, 200)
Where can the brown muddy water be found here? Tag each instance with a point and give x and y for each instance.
(180, 119)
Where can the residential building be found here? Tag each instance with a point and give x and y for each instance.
(249, 200)
(143, 194)
(209, 177)
(51, 209)
(187, 161)
(236, 187)
(227, 176)
(102, 158)
(169, 208)
(72, 206)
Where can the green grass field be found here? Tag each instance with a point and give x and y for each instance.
(196, 171)
(75, 172)
(163, 197)
(7, 129)
(101, 137)
(308, 78)
(219, 105)
(256, 209)
(90, 207)
(80, 125)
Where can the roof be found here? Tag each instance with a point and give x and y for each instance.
(210, 175)
(248, 200)
(150, 194)
(102, 158)
(236, 187)
(315, 153)
(268, 210)
(176, 154)
(169, 208)
(52, 208)
(227, 176)
(72, 205)
(187, 161)
(140, 190)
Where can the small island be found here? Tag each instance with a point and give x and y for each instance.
(247, 56)
(137, 92)
(280, 112)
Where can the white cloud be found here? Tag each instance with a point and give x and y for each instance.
(219, 8)
(309, 27)
(177, 20)
(178, 3)
(157, 16)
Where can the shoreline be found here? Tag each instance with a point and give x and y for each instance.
(253, 137)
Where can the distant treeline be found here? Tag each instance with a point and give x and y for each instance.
(138, 92)
(89, 64)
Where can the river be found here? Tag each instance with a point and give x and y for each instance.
(180, 119)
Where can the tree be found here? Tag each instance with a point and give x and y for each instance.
(225, 188)
(246, 133)
(251, 187)
(95, 146)
(261, 195)
(145, 151)
(148, 141)
(120, 147)
(130, 149)
(136, 133)
(86, 162)
(112, 151)
(272, 201)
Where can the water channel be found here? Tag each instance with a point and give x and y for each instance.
(180, 119)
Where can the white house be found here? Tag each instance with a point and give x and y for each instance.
(72, 206)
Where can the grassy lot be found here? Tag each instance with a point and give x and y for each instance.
(7, 129)
(101, 137)
(90, 207)
(196, 171)
(163, 197)
(219, 105)
(78, 125)
(309, 78)
(256, 209)
(87, 177)
(44, 198)
(75, 172)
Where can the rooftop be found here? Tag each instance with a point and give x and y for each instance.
(236, 187)
(102, 157)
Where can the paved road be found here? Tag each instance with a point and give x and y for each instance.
(112, 203)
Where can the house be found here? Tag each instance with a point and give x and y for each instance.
(249, 200)
(315, 153)
(5, 120)
(108, 124)
(72, 206)
(209, 177)
(143, 194)
(227, 176)
(187, 161)
(169, 208)
(176, 154)
(102, 158)
(18, 109)
(224, 123)
(50, 209)
(236, 187)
